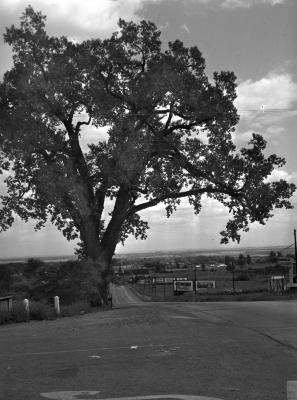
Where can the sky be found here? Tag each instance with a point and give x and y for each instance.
(256, 39)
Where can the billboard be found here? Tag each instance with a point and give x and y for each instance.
(183, 286)
(205, 284)
(158, 280)
(169, 280)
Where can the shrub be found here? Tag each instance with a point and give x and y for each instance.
(242, 277)
(41, 311)
(4, 317)
(32, 266)
(17, 314)
(75, 309)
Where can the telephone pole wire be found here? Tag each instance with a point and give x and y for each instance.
(295, 245)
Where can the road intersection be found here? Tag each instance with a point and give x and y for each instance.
(223, 351)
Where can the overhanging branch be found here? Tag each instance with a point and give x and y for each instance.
(80, 123)
(177, 195)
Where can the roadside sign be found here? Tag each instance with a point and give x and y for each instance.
(169, 280)
(205, 284)
(183, 286)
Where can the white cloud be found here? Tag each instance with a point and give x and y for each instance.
(278, 174)
(234, 4)
(272, 132)
(186, 28)
(85, 17)
(275, 91)
(278, 93)
(240, 138)
(91, 134)
(102, 16)
(275, 130)
(249, 3)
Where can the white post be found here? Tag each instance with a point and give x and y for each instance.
(57, 304)
(26, 305)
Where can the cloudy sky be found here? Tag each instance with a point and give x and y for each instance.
(254, 38)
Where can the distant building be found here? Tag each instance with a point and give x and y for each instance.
(284, 261)
(123, 268)
(221, 266)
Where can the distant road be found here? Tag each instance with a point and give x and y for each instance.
(122, 296)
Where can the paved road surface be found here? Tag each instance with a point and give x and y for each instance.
(275, 320)
(228, 351)
(123, 296)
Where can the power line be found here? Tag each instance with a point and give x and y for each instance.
(268, 110)
(287, 247)
(255, 110)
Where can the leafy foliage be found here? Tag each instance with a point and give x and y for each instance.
(169, 136)
(71, 281)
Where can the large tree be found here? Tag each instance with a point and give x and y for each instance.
(169, 136)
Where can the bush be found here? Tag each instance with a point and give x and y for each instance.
(80, 307)
(4, 317)
(72, 281)
(242, 277)
(38, 311)
(41, 311)
(17, 314)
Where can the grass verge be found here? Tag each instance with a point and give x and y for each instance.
(40, 311)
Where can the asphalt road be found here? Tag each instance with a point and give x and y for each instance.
(123, 296)
(226, 351)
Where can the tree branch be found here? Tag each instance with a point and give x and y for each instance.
(178, 195)
(188, 166)
(80, 123)
(100, 197)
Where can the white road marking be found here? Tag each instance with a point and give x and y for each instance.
(45, 353)
(69, 395)
(73, 396)
(182, 317)
(292, 390)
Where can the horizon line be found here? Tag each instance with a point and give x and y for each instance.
(44, 256)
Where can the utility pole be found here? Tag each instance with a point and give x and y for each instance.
(233, 281)
(295, 269)
(295, 245)
(195, 284)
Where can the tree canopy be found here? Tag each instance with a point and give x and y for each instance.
(169, 136)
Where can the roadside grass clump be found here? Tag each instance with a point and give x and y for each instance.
(40, 311)
(80, 307)
(16, 314)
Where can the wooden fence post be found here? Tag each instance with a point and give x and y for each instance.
(27, 306)
(57, 304)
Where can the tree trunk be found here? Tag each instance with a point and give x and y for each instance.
(100, 254)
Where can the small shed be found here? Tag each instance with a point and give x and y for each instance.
(5, 303)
